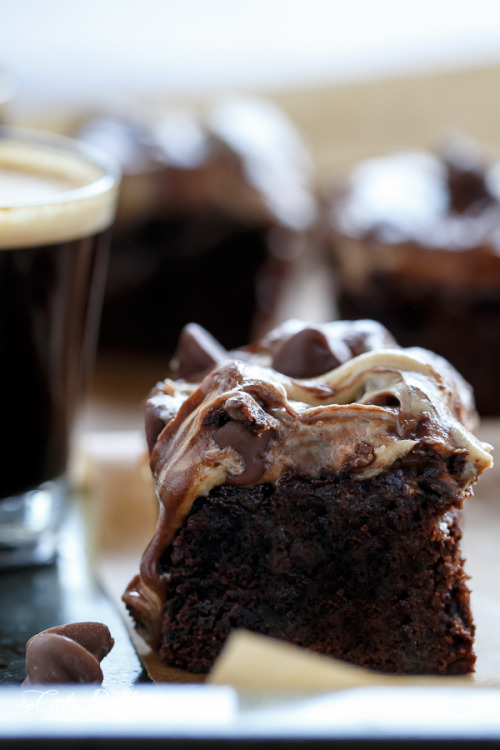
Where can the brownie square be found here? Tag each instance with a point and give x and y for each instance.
(324, 510)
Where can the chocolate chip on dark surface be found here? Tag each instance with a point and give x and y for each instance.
(52, 658)
(68, 654)
(93, 636)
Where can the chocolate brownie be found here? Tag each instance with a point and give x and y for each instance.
(216, 207)
(414, 238)
(310, 488)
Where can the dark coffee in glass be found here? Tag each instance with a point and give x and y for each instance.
(57, 203)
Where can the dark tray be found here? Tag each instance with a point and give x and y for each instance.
(129, 711)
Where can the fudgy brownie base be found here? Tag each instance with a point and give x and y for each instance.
(368, 571)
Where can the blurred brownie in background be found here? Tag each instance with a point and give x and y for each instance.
(414, 238)
(216, 207)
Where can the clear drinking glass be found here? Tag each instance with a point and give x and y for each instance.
(57, 205)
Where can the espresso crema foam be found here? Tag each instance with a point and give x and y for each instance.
(49, 195)
(316, 401)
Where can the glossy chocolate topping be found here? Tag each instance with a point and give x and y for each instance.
(341, 397)
(68, 654)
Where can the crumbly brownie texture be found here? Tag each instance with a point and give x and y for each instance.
(320, 506)
(223, 194)
(415, 242)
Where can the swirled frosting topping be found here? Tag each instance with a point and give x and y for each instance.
(337, 398)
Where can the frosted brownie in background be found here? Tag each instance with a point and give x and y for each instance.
(414, 238)
(216, 209)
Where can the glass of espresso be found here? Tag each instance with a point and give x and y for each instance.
(57, 204)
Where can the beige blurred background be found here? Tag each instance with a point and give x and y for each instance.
(357, 77)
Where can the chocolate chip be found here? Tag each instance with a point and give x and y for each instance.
(196, 352)
(252, 447)
(68, 654)
(93, 636)
(305, 354)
